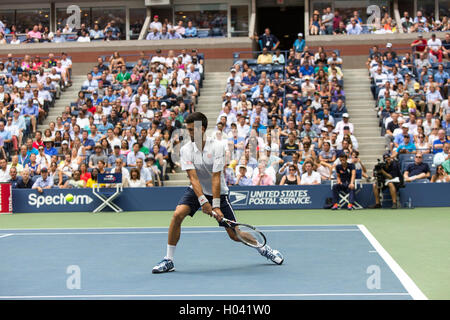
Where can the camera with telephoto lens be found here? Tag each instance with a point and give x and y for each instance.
(379, 176)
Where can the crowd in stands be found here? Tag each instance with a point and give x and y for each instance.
(284, 118)
(412, 102)
(168, 31)
(124, 120)
(332, 23)
(40, 33)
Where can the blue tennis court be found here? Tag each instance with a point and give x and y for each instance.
(321, 262)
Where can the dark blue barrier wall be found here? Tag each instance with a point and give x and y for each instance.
(162, 199)
(241, 198)
(426, 194)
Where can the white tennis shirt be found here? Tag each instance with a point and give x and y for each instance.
(205, 163)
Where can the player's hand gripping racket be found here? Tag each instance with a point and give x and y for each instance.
(248, 234)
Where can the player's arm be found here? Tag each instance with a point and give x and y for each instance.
(198, 190)
(219, 163)
(216, 195)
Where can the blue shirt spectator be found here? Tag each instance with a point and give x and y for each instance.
(103, 127)
(190, 31)
(30, 110)
(441, 78)
(299, 43)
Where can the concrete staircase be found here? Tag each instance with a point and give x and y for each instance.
(360, 106)
(209, 103)
(68, 96)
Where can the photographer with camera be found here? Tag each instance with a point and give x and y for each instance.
(387, 175)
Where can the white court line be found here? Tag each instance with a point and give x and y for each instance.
(6, 235)
(186, 227)
(406, 281)
(93, 296)
(165, 232)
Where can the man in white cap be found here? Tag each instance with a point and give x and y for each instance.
(299, 43)
(344, 123)
(389, 50)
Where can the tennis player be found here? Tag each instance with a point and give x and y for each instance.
(203, 158)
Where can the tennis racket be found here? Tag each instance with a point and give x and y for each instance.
(248, 234)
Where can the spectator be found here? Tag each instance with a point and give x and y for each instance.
(292, 177)
(346, 175)
(190, 31)
(417, 170)
(156, 24)
(267, 40)
(309, 176)
(442, 156)
(440, 175)
(299, 43)
(262, 178)
(135, 180)
(43, 182)
(241, 178)
(353, 27)
(435, 46)
(265, 57)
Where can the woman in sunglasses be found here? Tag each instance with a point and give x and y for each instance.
(422, 144)
(440, 175)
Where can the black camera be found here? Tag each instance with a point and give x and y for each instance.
(379, 176)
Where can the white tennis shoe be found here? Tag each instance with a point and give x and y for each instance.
(274, 255)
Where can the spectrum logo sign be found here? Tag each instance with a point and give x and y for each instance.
(37, 201)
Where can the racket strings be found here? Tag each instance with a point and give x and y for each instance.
(250, 236)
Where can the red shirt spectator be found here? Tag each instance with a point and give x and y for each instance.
(38, 142)
(419, 44)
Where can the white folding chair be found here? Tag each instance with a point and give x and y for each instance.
(344, 196)
(104, 194)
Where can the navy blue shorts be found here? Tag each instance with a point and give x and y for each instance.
(190, 199)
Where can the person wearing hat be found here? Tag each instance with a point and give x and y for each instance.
(390, 171)
(389, 50)
(344, 123)
(308, 88)
(299, 43)
(43, 182)
(97, 156)
(156, 24)
(407, 146)
(49, 149)
(400, 137)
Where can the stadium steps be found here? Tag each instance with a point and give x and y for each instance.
(209, 103)
(68, 96)
(360, 106)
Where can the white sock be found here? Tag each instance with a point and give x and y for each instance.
(170, 252)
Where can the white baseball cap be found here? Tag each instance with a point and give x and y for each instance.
(345, 115)
(300, 35)
(388, 45)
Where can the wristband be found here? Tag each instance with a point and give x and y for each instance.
(202, 199)
(216, 203)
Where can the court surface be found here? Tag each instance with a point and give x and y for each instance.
(321, 262)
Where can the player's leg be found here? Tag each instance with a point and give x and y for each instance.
(180, 213)
(187, 205)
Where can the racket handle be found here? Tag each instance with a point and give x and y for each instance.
(215, 215)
